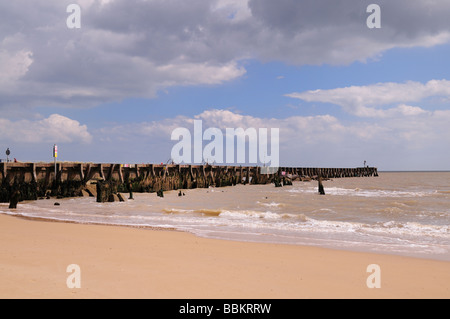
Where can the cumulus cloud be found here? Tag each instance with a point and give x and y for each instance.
(137, 48)
(54, 129)
(367, 101)
(321, 140)
(14, 65)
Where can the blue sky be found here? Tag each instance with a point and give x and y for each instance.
(261, 91)
(115, 89)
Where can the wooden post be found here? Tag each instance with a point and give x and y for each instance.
(321, 190)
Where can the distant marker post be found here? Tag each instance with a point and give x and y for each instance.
(55, 155)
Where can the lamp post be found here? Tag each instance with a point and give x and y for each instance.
(55, 155)
(8, 152)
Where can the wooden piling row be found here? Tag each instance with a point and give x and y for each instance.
(72, 177)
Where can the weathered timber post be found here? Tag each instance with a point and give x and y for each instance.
(105, 191)
(15, 198)
(130, 189)
(321, 189)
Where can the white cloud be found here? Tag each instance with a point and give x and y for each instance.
(182, 73)
(136, 48)
(54, 129)
(299, 129)
(396, 142)
(235, 10)
(406, 110)
(14, 65)
(367, 101)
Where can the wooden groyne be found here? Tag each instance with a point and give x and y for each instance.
(36, 180)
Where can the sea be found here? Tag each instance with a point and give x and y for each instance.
(401, 213)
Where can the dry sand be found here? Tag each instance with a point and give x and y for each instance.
(120, 262)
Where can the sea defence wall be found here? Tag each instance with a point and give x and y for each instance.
(35, 180)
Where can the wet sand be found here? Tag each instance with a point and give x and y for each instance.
(122, 262)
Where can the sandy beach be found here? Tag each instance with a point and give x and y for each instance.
(123, 262)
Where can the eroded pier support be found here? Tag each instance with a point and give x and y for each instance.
(34, 180)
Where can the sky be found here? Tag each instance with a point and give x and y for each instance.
(115, 89)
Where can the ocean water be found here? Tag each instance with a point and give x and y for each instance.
(404, 213)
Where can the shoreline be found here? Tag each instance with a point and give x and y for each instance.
(266, 210)
(50, 220)
(170, 229)
(363, 248)
(132, 262)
